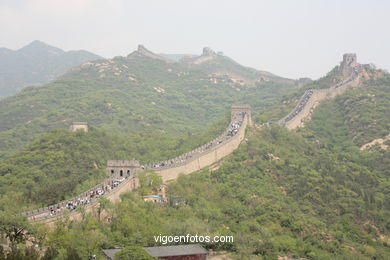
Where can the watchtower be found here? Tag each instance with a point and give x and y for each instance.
(122, 168)
(348, 63)
(241, 108)
(78, 125)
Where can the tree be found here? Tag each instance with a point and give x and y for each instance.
(149, 182)
(2, 253)
(51, 253)
(72, 254)
(104, 204)
(16, 228)
(133, 253)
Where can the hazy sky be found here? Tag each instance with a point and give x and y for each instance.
(294, 38)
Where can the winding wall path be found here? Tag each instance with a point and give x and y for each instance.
(187, 163)
(205, 155)
(312, 98)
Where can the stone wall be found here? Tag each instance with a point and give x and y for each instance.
(315, 99)
(114, 196)
(206, 159)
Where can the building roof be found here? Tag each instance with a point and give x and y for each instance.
(161, 251)
(123, 163)
(79, 123)
(110, 253)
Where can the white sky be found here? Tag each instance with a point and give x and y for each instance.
(291, 38)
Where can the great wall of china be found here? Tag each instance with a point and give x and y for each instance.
(123, 174)
(312, 97)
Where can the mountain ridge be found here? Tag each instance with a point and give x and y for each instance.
(36, 63)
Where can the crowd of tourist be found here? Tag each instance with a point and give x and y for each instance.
(84, 199)
(354, 75)
(231, 131)
(306, 96)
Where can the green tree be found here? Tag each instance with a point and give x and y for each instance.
(133, 253)
(149, 182)
(16, 228)
(71, 254)
(104, 204)
(51, 253)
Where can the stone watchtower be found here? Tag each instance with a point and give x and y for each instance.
(349, 62)
(122, 168)
(242, 108)
(78, 125)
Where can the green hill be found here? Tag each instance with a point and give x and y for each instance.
(282, 194)
(36, 63)
(278, 195)
(309, 194)
(62, 164)
(354, 118)
(128, 94)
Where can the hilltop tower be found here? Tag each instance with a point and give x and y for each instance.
(242, 108)
(349, 62)
(207, 51)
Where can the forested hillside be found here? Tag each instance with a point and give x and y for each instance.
(307, 194)
(134, 93)
(278, 195)
(36, 63)
(310, 194)
(356, 117)
(62, 164)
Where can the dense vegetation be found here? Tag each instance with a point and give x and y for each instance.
(278, 195)
(62, 163)
(34, 64)
(311, 194)
(125, 95)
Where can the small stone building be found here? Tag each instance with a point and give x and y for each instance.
(78, 125)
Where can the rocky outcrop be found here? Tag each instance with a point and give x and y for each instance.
(381, 142)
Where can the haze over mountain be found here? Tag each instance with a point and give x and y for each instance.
(139, 92)
(36, 63)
